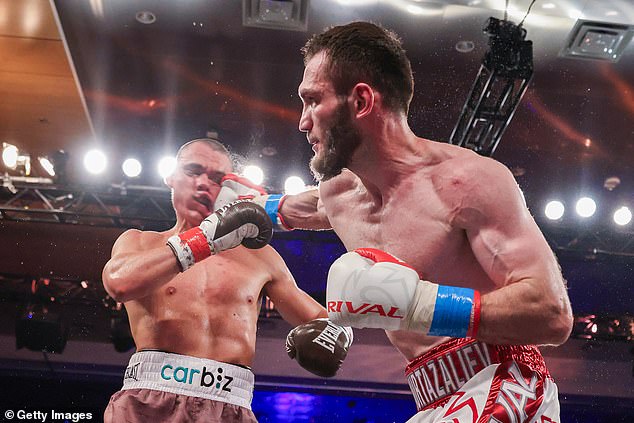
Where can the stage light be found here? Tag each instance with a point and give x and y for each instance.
(10, 155)
(47, 165)
(95, 162)
(554, 210)
(14, 159)
(253, 174)
(132, 168)
(294, 185)
(166, 166)
(586, 207)
(622, 216)
(603, 327)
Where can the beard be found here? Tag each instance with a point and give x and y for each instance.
(339, 144)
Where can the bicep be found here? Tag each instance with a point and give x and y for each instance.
(503, 235)
(295, 305)
(510, 248)
(305, 211)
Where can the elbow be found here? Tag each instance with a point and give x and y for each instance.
(564, 328)
(559, 325)
(115, 285)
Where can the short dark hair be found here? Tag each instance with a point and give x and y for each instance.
(215, 145)
(363, 51)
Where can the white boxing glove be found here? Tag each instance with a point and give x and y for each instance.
(234, 187)
(371, 288)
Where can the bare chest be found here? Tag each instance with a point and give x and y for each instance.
(414, 226)
(228, 280)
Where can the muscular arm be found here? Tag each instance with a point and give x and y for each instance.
(305, 211)
(295, 306)
(530, 304)
(138, 266)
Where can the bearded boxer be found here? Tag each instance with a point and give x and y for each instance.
(475, 285)
(193, 296)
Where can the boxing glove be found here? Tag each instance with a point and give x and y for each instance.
(240, 222)
(371, 288)
(234, 187)
(319, 346)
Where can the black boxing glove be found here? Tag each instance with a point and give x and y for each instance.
(240, 222)
(319, 346)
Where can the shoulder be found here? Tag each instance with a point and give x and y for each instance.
(473, 186)
(468, 170)
(134, 239)
(267, 256)
(343, 182)
(268, 259)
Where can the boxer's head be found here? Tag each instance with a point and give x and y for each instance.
(365, 52)
(195, 183)
(337, 62)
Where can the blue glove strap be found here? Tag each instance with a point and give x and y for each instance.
(272, 205)
(452, 313)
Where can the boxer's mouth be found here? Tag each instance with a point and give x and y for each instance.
(205, 200)
(313, 143)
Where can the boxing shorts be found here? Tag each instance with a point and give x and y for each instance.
(174, 387)
(464, 380)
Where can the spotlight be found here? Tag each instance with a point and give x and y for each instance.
(95, 162)
(40, 330)
(253, 174)
(166, 166)
(586, 207)
(294, 185)
(131, 167)
(13, 158)
(59, 159)
(47, 165)
(622, 216)
(554, 210)
(10, 155)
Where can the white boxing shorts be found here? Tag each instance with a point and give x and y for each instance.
(467, 381)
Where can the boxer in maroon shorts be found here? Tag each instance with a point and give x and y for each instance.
(193, 296)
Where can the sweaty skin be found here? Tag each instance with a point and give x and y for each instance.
(210, 310)
(458, 218)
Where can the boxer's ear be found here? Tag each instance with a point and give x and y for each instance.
(363, 99)
(169, 180)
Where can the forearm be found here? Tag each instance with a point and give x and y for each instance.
(522, 313)
(303, 211)
(135, 275)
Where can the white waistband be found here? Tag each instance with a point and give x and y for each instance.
(191, 376)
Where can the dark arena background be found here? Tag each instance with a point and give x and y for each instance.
(136, 79)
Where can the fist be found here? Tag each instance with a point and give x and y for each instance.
(234, 187)
(319, 346)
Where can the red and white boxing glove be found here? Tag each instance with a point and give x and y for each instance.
(371, 288)
(234, 187)
(241, 222)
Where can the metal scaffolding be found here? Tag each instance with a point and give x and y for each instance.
(113, 205)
